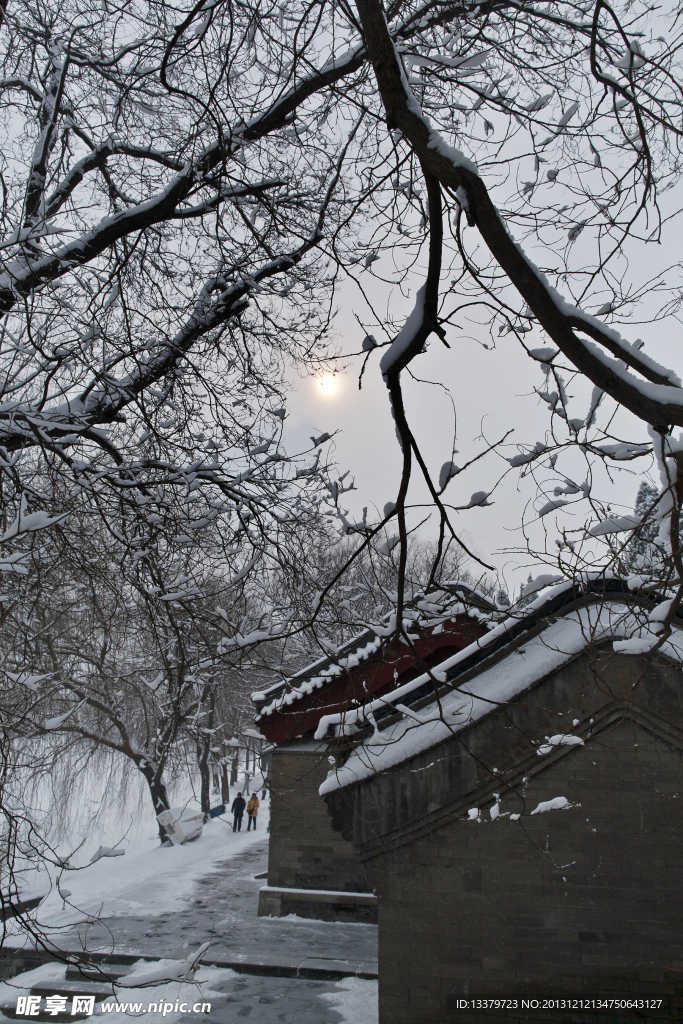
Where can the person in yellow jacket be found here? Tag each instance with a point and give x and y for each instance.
(252, 811)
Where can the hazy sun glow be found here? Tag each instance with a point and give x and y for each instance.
(327, 385)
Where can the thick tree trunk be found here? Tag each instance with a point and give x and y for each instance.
(204, 776)
(225, 785)
(157, 791)
(203, 745)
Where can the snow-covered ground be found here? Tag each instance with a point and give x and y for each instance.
(147, 881)
(231, 996)
(165, 902)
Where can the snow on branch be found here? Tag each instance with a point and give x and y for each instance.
(657, 403)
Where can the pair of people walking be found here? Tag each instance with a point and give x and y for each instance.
(238, 806)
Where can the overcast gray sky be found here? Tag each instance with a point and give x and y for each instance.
(492, 392)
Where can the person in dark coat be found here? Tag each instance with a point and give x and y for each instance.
(238, 805)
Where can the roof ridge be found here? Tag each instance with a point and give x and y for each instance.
(367, 635)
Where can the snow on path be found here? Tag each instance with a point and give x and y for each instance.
(233, 997)
(165, 902)
(147, 883)
(221, 906)
(355, 1000)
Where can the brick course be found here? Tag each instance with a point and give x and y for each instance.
(304, 851)
(584, 901)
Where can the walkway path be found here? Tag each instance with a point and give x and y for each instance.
(221, 906)
(145, 912)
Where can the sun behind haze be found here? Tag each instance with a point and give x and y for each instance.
(327, 385)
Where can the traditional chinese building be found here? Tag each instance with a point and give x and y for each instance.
(522, 825)
(312, 870)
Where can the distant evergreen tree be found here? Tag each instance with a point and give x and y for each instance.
(639, 548)
(522, 600)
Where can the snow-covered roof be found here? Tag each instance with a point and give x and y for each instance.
(494, 670)
(432, 609)
(253, 734)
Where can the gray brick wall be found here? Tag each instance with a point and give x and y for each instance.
(584, 901)
(305, 852)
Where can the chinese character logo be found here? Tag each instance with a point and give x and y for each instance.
(55, 1005)
(83, 1004)
(29, 1006)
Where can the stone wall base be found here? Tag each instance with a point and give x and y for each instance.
(319, 904)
